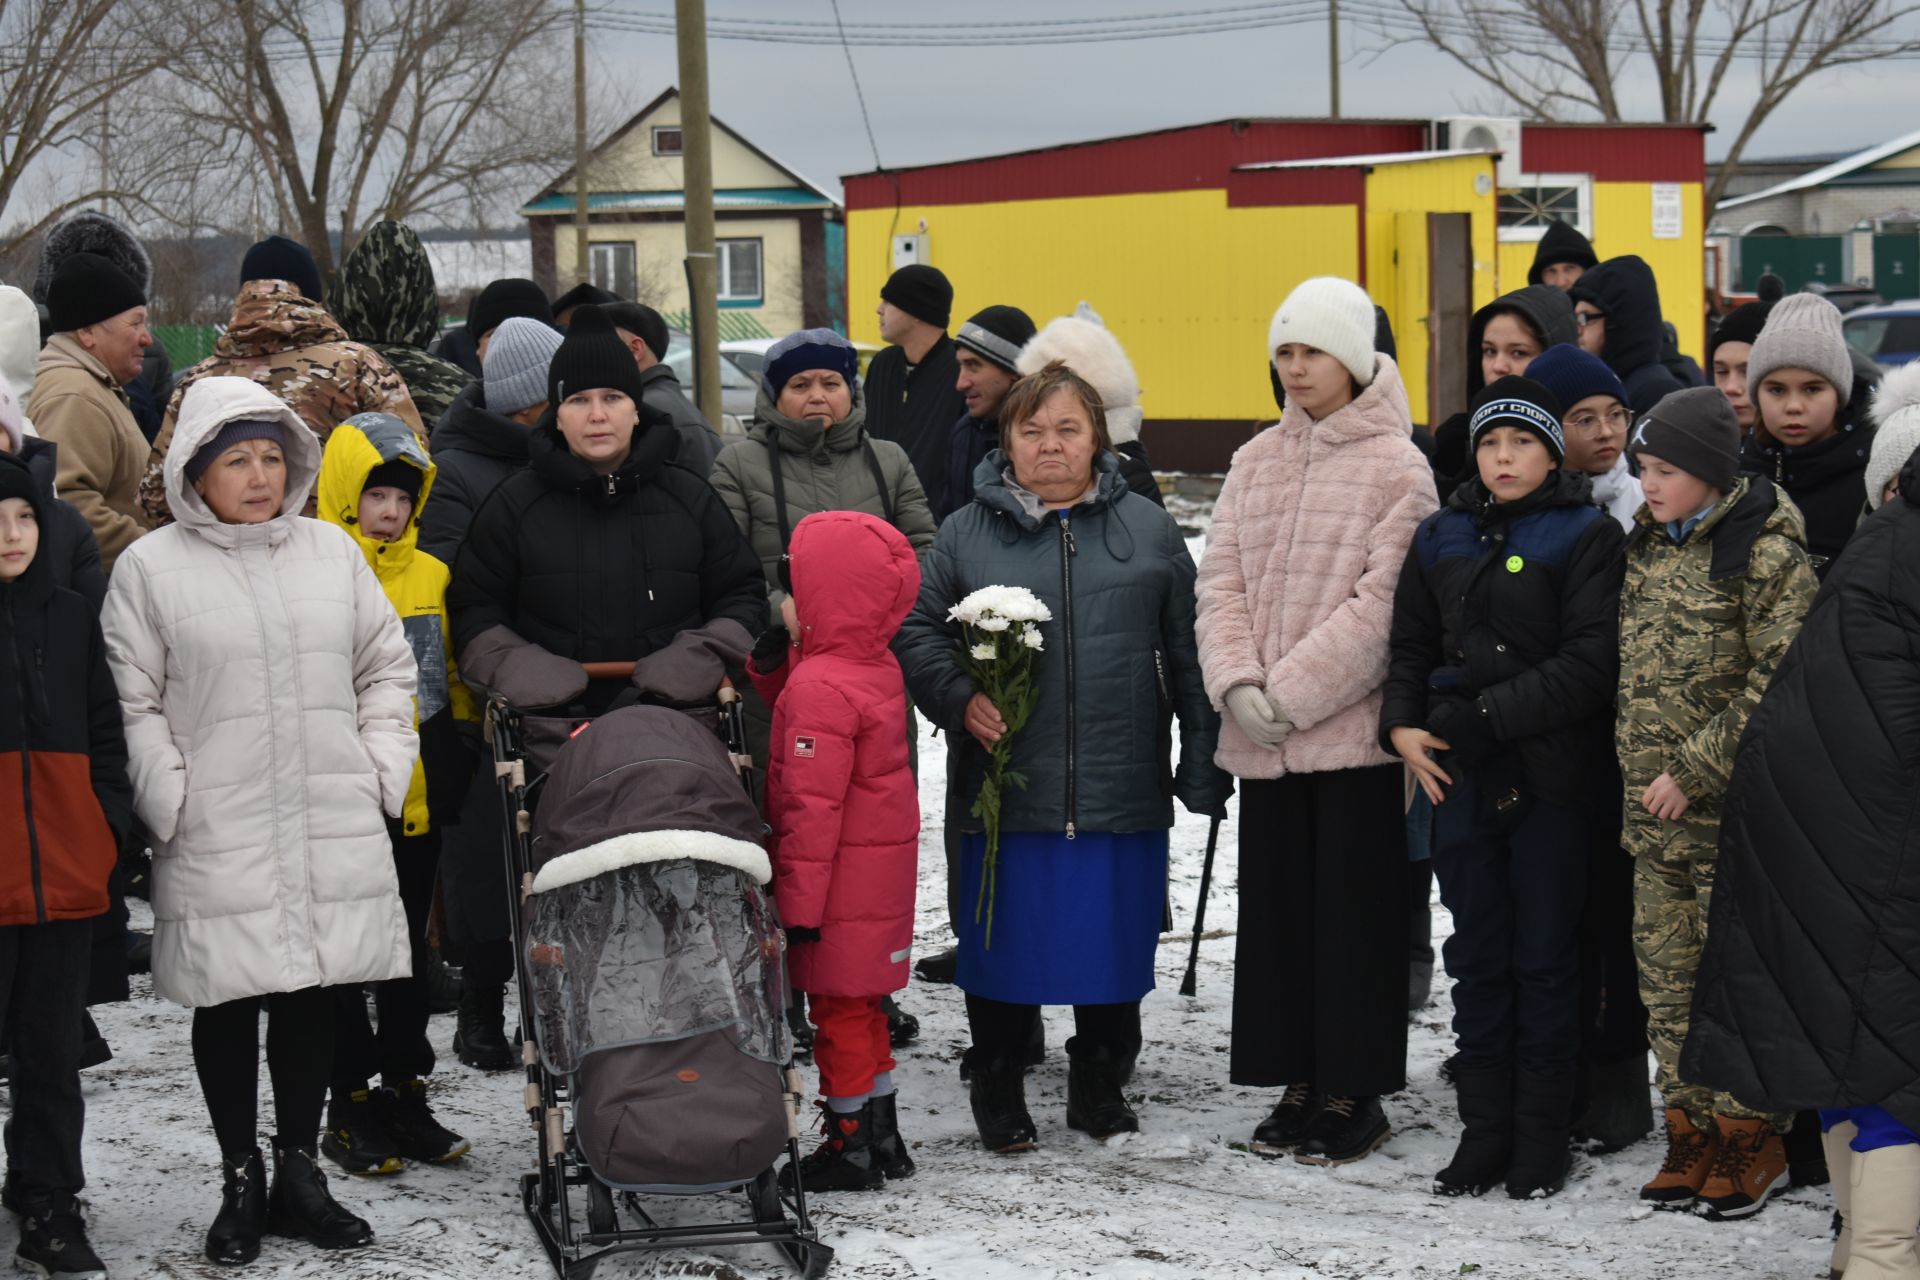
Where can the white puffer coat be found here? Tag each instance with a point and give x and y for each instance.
(267, 689)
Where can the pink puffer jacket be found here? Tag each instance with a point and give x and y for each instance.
(1296, 588)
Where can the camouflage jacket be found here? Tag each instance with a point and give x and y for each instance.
(291, 346)
(385, 297)
(1703, 624)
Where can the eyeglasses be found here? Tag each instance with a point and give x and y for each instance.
(1589, 424)
(1582, 319)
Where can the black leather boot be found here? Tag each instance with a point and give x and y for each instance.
(1096, 1104)
(845, 1160)
(999, 1096)
(1485, 1100)
(300, 1206)
(480, 1036)
(1542, 1119)
(1289, 1120)
(1347, 1129)
(889, 1148)
(234, 1238)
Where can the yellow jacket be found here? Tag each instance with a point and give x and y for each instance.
(415, 582)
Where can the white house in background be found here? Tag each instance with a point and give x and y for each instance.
(781, 239)
(1878, 186)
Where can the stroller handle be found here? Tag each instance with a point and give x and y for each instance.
(609, 670)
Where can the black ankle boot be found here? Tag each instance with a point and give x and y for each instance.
(1096, 1105)
(1542, 1121)
(845, 1160)
(480, 1037)
(1347, 1129)
(889, 1148)
(234, 1237)
(1485, 1100)
(300, 1206)
(1289, 1121)
(999, 1096)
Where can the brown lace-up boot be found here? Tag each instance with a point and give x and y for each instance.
(1690, 1156)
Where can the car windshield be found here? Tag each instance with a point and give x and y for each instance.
(750, 362)
(680, 360)
(1883, 335)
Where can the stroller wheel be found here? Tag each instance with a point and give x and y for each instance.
(602, 1219)
(763, 1197)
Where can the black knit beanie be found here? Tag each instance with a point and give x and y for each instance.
(997, 335)
(1514, 401)
(592, 356)
(397, 474)
(643, 322)
(1696, 431)
(278, 258)
(87, 289)
(1742, 324)
(502, 300)
(921, 291)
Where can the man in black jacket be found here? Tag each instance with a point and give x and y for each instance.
(988, 348)
(912, 387)
(645, 332)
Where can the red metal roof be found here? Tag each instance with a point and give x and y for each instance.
(1617, 153)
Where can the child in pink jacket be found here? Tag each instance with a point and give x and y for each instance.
(1295, 603)
(845, 815)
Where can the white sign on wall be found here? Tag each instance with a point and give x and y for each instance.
(1667, 218)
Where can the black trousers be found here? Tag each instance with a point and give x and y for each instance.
(1003, 1031)
(399, 1050)
(1613, 1020)
(1320, 959)
(43, 1001)
(226, 1053)
(1515, 883)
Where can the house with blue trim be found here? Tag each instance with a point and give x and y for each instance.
(781, 239)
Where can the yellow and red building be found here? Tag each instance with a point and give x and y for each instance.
(1185, 240)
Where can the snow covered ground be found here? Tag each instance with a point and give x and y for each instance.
(1179, 1200)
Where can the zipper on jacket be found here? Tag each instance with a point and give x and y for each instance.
(1067, 553)
(26, 767)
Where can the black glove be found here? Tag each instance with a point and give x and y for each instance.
(1464, 727)
(801, 933)
(770, 650)
(1203, 788)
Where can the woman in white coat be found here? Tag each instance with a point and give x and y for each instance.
(267, 689)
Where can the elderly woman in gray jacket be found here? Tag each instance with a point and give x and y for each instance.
(1081, 879)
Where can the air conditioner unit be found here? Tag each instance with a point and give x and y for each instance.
(1484, 133)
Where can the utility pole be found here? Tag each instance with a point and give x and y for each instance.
(1333, 58)
(582, 264)
(696, 161)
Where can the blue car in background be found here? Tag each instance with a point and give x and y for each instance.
(1890, 333)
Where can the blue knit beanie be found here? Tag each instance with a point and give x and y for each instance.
(1573, 375)
(805, 350)
(240, 429)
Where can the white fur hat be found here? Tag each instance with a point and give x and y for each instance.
(1332, 314)
(1090, 350)
(13, 422)
(1896, 408)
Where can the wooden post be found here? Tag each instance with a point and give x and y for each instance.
(696, 160)
(582, 263)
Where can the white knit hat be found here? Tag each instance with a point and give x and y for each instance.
(1803, 332)
(1896, 410)
(1333, 315)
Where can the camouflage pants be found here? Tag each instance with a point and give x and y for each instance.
(1672, 886)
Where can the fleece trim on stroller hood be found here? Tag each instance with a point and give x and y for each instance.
(644, 784)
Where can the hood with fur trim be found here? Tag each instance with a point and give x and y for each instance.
(19, 340)
(91, 232)
(1090, 350)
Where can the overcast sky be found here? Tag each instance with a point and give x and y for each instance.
(940, 104)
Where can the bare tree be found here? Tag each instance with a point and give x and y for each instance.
(64, 65)
(348, 111)
(1550, 57)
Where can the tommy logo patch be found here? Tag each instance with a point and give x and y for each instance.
(803, 748)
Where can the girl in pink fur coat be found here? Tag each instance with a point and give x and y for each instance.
(1295, 602)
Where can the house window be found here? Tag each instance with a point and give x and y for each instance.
(740, 278)
(1526, 211)
(612, 267)
(666, 139)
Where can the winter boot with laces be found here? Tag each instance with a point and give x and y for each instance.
(1282, 1130)
(1346, 1130)
(1096, 1104)
(1542, 1112)
(356, 1140)
(1750, 1165)
(300, 1207)
(1690, 1156)
(403, 1112)
(53, 1242)
(480, 1036)
(234, 1238)
(889, 1148)
(1485, 1099)
(999, 1096)
(845, 1160)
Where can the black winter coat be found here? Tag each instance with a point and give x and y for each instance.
(1809, 989)
(603, 568)
(1120, 655)
(660, 391)
(915, 408)
(1624, 288)
(973, 440)
(1827, 481)
(1515, 607)
(474, 449)
(66, 542)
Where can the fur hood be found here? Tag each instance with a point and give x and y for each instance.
(1091, 350)
(1896, 417)
(90, 232)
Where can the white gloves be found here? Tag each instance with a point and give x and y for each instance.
(1257, 716)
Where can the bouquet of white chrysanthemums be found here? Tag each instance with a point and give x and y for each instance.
(1000, 640)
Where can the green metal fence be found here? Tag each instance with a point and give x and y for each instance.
(187, 344)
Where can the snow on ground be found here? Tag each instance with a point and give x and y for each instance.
(1178, 1200)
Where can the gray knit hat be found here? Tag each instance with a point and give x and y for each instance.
(236, 432)
(514, 370)
(1803, 332)
(1696, 431)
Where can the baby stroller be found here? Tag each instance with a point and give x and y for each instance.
(650, 968)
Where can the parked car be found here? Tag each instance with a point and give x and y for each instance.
(1847, 297)
(738, 386)
(1890, 333)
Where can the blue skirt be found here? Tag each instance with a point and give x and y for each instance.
(1074, 921)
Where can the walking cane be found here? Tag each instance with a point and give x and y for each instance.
(1200, 910)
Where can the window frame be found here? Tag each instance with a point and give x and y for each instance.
(1582, 184)
(723, 258)
(612, 251)
(678, 132)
